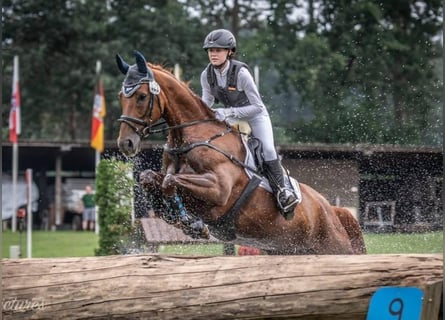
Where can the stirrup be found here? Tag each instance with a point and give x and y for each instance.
(288, 209)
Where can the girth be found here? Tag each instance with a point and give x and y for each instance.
(224, 227)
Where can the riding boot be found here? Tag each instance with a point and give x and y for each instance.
(286, 198)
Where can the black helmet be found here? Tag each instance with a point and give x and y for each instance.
(220, 38)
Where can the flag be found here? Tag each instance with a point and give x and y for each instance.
(99, 111)
(14, 114)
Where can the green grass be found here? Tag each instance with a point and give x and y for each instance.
(197, 249)
(82, 244)
(46, 244)
(428, 242)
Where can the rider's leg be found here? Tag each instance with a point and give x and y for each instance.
(287, 200)
(262, 129)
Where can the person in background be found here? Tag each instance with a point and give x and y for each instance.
(229, 82)
(88, 210)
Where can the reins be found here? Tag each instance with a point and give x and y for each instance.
(146, 129)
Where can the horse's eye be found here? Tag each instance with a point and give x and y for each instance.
(142, 97)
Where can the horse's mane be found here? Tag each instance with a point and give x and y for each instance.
(185, 85)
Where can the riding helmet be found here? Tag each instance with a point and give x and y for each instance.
(220, 38)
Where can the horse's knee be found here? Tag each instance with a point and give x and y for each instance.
(149, 179)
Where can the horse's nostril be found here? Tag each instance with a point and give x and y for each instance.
(126, 145)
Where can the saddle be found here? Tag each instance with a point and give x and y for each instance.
(256, 149)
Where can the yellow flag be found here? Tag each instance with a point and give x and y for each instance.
(97, 125)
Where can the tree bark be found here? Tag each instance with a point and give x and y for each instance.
(181, 287)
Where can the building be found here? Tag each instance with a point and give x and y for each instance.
(386, 187)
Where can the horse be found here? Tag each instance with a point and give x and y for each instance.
(202, 168)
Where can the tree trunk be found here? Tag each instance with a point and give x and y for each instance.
(180, 287)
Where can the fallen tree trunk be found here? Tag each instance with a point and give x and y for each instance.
(180, 287)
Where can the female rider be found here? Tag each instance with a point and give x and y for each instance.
(229, 82)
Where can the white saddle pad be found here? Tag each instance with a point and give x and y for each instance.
(290, 182)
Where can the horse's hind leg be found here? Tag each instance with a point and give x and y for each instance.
(352, 228)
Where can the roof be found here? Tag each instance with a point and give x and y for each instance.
(80, 157)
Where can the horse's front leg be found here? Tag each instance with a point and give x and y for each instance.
(151, 182)
(210, 186)
(170, 206)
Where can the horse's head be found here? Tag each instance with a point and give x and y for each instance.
(137, 100)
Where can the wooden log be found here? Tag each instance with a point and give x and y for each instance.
(183, 287)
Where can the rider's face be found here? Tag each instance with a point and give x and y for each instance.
(217, 56)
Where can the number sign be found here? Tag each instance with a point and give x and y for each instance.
(396, 303)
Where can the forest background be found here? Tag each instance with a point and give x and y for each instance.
(331, 71)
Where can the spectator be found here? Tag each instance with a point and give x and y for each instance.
(89, 210)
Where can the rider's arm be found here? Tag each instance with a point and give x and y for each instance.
(247, 84)
(206, 96)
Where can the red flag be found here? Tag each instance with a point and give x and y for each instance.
(97, 125)
(14, 114)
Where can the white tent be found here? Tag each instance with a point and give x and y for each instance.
(7, 207)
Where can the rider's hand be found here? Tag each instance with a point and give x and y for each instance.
(223, 114)
(220, 114)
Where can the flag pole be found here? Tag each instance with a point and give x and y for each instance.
(14, 132)
(97, 158)
(15, 152)
(28, 176)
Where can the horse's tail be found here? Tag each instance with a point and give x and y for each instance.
(352, 228)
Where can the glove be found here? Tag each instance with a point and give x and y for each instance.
(220, 114)
(223, 113)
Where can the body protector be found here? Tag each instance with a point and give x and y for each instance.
(229, 95)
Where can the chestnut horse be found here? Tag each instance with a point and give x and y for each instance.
(202, 163)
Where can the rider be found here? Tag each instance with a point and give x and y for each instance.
(229, 82)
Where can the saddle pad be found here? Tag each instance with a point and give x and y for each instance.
(290, 182)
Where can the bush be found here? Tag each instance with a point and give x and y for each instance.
(114, 198)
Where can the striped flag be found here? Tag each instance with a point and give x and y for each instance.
(99, 111)
(14, 114)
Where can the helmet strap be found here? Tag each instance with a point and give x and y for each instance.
(221, 66)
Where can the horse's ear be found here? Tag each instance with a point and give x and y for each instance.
(121, 64)
(140, 62)
(142, 65)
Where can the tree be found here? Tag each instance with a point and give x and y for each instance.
(391, 52)
(331, 70)
(58, 52)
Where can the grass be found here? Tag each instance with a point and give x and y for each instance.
(82, 244)
(428, 242)
(51, 244)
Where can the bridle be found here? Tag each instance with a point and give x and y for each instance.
(144, 129)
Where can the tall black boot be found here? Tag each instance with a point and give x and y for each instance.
(286, 198)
